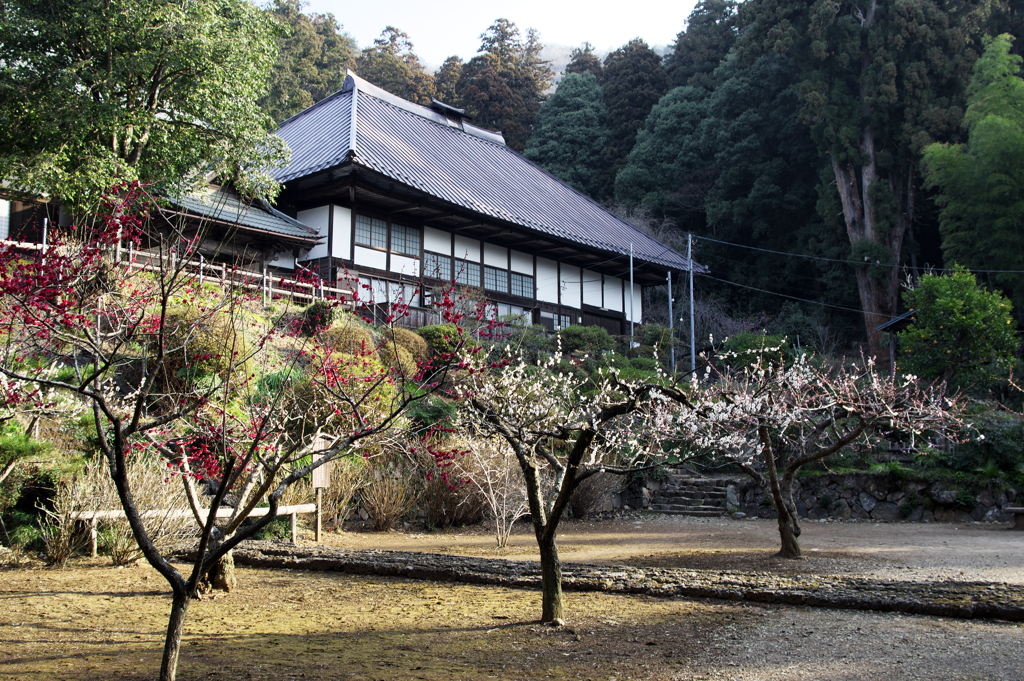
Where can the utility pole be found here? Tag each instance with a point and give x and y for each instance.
(631, 316)
(693, 344)
(671, 329)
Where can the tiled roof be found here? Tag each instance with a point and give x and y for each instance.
(218, 203)
(456, 162)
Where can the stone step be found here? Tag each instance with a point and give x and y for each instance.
(686, 507)
(698, 512)
(687, 501)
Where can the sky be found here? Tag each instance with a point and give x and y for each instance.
(439, 30)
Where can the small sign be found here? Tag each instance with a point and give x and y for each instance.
(321, 474)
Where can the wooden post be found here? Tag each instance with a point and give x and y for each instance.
(93, 539)
(117, 250)
(264, 285)
(295, 530)
(201, 263)
(319, 514)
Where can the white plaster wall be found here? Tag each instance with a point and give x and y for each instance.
(342, 245)
(437, 241)
(522, 263)
(405, 265)
(367, 257)
(467, 249)
(592, 288)
(496, 256)
(318, 219)
(547, 280)
(613, 293)
(571, 286)
(638, 311)
(283, 259)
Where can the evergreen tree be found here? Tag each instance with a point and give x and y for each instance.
(633, 82)
(93, 95)
(446, 81)
(880, 82)
(571, 133)
(391, 64)
(737, 165)
(709, 35)
(981, 183)
(584, 61)
(503, 87)
(313, 55)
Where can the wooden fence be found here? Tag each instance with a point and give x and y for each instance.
(94, 516)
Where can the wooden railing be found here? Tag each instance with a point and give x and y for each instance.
(93, 516)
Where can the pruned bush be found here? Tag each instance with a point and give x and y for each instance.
(442, 338)
(317, 317)
(644, 363)
(348, 334)
(411, 341)
(202, 343)
(592, 494)
(588, 339)
(159, 496)
(398, 360)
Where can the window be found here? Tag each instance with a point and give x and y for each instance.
(5, 219)
(495, 279)
(564, 320)
(371, 232)
(467, 273)
(437, 266)
(405, 240)
(522, 285)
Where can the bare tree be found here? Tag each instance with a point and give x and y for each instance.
(557, 430)
(772, 420)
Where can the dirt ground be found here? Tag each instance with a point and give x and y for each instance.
(94, 621)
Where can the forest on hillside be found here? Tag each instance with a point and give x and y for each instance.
(818, 153)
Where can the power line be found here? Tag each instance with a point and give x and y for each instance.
(783, 295)
(839, 260)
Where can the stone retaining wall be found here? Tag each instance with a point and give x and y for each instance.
(879, 497)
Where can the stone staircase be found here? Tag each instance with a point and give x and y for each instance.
(684, 494)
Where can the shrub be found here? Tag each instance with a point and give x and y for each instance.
(389, 496)
(60, 529)
(442, 338)
(348, 334)
(201, 344)
(348, 474)
(644, 363)
(745, 349)
(154, 489)
(588, 339)
(317, 317)
(591, 494)
(412, 342)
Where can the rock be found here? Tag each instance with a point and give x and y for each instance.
(962, 517)
(739, 515)
(894, 497)
(978, 512)
(841, 510)
(867, 502)
(927, 516)
(886, 511)
(732, 496)
(363, 514)
(995, 515)
(817, 513)
(985, 498)
(917, 514)
(858, 513)
(801, 510)
(945, 497)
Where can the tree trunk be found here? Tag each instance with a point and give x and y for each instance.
(221, 575)
(172, 644)
(789, 531)
(550, 582)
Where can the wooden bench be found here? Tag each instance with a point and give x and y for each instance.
(1018, 514)
(293, 511)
